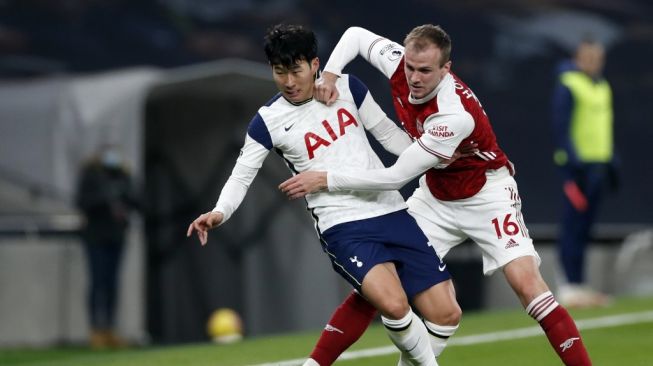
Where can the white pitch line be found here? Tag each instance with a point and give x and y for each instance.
(602, 322)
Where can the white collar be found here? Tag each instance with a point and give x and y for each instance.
(432, 94)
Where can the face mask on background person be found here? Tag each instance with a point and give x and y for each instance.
(111, 159)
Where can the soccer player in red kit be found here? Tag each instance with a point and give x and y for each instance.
(474, 197)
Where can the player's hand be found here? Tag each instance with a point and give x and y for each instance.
(462, 151)
(304, 183)
(203, 224)
(469, 149)
(325, 90)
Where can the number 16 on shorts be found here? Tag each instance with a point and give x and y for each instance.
(509, 226)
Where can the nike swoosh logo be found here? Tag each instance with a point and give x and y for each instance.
(442, 267)
(415, 346)
(287, 128)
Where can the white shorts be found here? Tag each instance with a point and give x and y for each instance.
(492, 218)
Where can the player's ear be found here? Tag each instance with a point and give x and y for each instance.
(315, 65)
(447, 66)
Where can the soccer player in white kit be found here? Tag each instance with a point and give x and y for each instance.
(474, 197)
(369, 237)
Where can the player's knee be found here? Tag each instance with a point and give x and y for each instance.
(447, 315)
(395, 307)
(452, 316)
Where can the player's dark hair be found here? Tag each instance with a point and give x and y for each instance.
(286, 44)
(420, 37)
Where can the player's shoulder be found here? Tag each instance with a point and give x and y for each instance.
(267, 116)
(275, 102)
(273, 109)
(352, 87)
(451, 94)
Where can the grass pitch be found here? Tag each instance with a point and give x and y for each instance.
(616, 342)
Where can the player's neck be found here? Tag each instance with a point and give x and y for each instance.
(299, 103)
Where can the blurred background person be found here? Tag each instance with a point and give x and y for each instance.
(106, 198)
(583, 128)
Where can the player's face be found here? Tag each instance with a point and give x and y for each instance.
(297, 81)
(423, 70)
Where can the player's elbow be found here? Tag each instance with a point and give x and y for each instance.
(398, 183)
(354, 29)
(354, 32)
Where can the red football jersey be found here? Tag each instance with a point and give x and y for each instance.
(466, 176)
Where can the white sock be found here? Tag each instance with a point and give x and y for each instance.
(439, 335)
(311, 362)
(404, 360)
(541, 306)
(409, 334)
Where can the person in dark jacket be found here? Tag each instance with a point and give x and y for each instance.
(106, 198)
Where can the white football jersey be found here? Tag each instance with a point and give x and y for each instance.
(313, 136)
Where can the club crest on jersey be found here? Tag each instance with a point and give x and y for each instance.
(313, 140)
(394, 55)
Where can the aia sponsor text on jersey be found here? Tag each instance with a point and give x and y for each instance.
(313, 140)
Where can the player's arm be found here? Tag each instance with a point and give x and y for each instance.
(411, 163)
(425, 153)
(382, 53)
(375, 49)
(255, 150)
(385, 131)
(232, 194)
(392, 138)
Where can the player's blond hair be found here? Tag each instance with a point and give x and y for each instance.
(422, 36)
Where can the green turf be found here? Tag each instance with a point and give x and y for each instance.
(621, 345)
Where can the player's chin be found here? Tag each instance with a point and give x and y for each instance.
(417, 92)
(293, 96)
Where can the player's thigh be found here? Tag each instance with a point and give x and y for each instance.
(438, 304)
(437, 221)
(382, 288)
(493, 219)
(356, 247)
(353, 257)
(418, 264)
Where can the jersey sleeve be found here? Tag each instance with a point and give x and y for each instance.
(258, 144)
(374, 119)
(234, 191)
(370, 112)
(391, 137)
(382, 53)
(256, 148)
(443, 133)
(411, 163)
